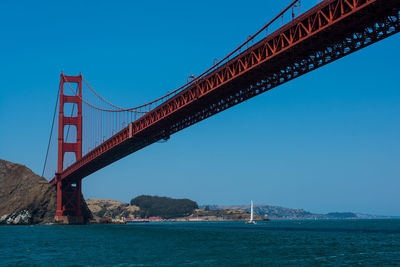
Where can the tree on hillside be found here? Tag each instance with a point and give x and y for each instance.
(163, 206)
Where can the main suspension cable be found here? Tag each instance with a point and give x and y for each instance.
(102, 109)
(227, 59)
(51, 131)
(196, 79)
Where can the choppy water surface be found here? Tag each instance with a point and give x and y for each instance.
(274, 243)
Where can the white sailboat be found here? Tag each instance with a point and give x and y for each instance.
(251, 221)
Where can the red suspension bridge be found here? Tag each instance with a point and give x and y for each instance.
(93, 133)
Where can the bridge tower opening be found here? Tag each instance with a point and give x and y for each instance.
(69, 192)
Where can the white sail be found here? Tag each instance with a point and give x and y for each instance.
(251, 221)
(251, 211)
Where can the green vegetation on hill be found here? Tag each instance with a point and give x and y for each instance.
(163, 206)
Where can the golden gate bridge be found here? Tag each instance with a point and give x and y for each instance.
(93, 133)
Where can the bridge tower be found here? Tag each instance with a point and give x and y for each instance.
(69, 192)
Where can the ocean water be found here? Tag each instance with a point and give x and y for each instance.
(273, 243)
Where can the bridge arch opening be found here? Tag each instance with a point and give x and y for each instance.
(67, 89)
(70, 134)
(69, 159)
(70, 109)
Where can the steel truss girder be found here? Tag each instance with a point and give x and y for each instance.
(313, 61)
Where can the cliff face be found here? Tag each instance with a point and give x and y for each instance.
(25, 197)
(23, 190)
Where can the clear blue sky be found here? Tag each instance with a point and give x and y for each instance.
(327, 141)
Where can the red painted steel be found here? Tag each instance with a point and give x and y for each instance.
(327, 32)
(69, 193)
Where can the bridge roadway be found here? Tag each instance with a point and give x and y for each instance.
(329, 31)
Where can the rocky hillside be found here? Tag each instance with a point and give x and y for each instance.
(24, 192)
(107, 208)
(25, 197)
